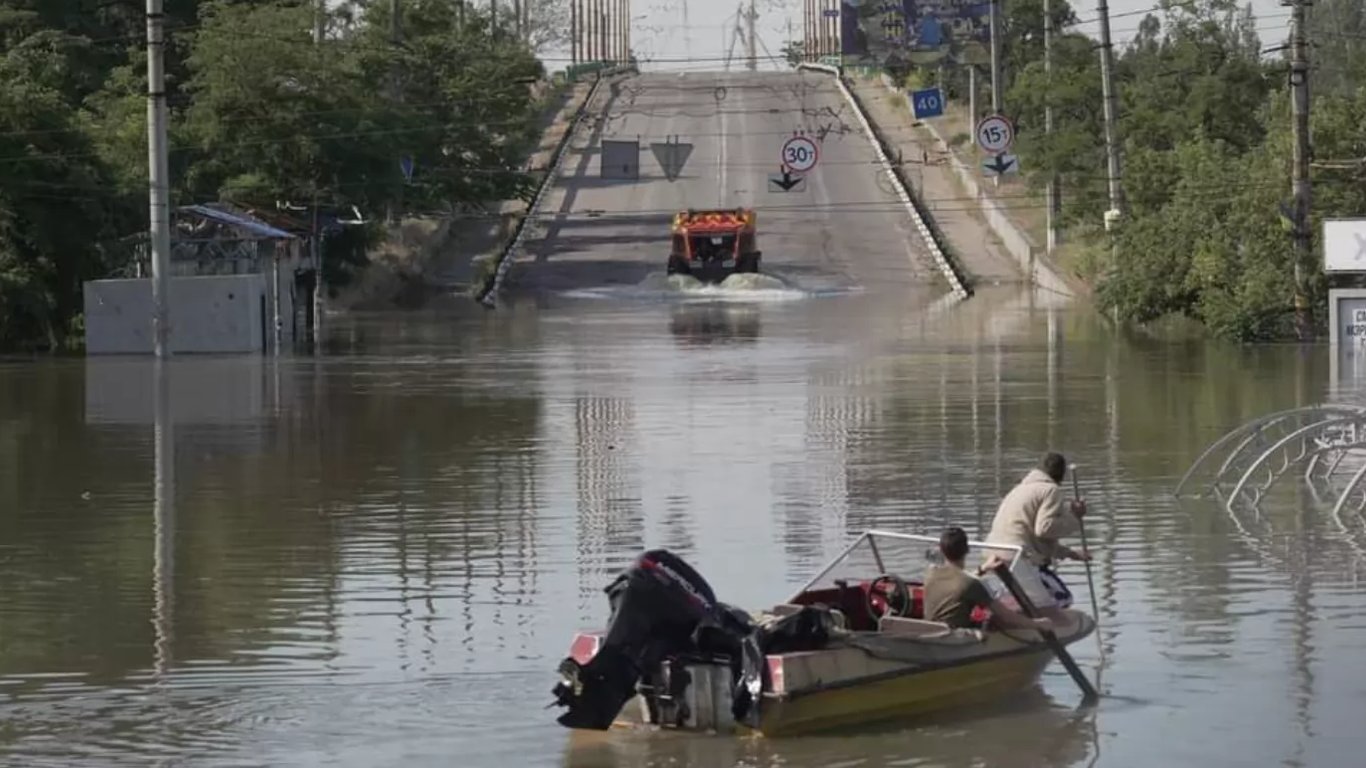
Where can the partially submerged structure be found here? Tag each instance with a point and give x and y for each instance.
(237, 284)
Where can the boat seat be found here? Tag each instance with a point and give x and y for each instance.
(898, 625)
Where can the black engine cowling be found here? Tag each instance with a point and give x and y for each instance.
(661, 608)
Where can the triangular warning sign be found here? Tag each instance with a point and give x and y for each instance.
(671, 157)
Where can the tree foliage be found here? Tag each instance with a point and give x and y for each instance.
(1205, 129)
(260, 114)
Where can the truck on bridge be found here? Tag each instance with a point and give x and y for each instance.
(713, 244)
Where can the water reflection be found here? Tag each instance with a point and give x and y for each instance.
(704, 323)
(163, 518)
(377, 555)
(1029, 730)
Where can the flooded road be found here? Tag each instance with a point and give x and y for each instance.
(377, 557)
(843, 229)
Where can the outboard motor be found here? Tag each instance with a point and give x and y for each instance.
(657, 605)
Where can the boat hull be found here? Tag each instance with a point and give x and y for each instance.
(813, 691)
(902, 694)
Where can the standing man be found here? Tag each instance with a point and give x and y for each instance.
(1032, 517)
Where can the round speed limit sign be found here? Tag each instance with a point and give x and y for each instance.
(995, 134)
(800, 154)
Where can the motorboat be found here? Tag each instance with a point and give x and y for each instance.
(851, 646)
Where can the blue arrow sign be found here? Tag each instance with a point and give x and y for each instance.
(405, 164)
(830, 13)
(927, 103)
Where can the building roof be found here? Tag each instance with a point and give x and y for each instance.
(240, 221)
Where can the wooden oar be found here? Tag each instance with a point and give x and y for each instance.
(1088, 692)
(1090, 584)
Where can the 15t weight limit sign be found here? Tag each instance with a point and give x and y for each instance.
(995, 134)
(800, 154)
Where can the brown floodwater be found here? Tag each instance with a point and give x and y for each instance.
(378, 555)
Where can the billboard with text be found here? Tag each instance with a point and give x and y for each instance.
(891, 32)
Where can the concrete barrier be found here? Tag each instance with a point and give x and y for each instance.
(935, 242)
(504, 259)
(216, 314)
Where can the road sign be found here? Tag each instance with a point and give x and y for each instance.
(831, 13)
(1344, 245)
(800, 154)
(671, 156)
(405, 164)
(1002, 164)
(786, 182)
(995, 134)
(927, 103)
(619, 160)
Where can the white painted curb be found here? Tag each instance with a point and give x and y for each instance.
(926, 234)
(505, 259)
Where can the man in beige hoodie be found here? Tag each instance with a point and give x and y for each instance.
(1032, 517)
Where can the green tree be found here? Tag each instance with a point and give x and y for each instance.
(57, 205)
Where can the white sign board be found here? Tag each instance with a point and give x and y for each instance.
(1347, 332)
(800, 154)
(1344, 245)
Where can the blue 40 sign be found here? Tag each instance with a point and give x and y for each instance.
(927, 103)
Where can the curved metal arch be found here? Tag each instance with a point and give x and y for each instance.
(1280, 444)
(1252, 429)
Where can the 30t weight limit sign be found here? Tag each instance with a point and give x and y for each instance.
(800, 154)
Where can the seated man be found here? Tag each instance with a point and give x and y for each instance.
(951, 592)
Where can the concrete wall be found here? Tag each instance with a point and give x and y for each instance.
(207, 314)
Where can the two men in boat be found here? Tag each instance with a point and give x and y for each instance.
(951, 593)
(1033, 518)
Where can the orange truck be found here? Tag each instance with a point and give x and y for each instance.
(712, 244)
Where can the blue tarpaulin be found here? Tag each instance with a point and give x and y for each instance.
(246, 223)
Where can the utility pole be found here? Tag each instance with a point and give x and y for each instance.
(972, 99)
(750, 51)
(319, 285)
(996, 58)
(1299, 99)
(158, 172)
(573, 32)
(1107, 66)
(1052, 207)
(517, 19)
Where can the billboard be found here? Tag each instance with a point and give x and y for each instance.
(891, 32)
(1344, 245)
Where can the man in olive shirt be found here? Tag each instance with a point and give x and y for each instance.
(951, 592)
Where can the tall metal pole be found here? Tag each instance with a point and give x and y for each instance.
(517, 18)
(1111, 140)
(159, 174)
(995, 58)
(319, 284)
(751, 52)
(972, 99)
(1052, 207)
(1299, 100)
(573, 32)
